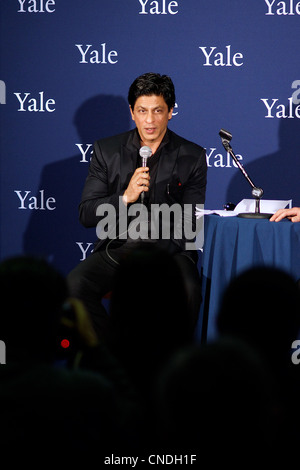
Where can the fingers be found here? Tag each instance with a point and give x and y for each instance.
(141, 172)
(296, 217)
(279, 215)
(143, 181)
(291, 214)
(139, 182)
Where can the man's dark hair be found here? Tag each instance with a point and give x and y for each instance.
(152, 84)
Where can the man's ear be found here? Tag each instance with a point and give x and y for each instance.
(132, 113)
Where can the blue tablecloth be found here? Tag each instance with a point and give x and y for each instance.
(233, 244)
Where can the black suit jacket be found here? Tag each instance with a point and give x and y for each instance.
(181, 176)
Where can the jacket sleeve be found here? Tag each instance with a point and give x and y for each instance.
(98, 190)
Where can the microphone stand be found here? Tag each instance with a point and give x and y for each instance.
(256, 192)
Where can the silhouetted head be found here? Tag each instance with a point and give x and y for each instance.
(262, 306)
(33, 293)
(216, 400)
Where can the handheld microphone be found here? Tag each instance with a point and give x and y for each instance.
(145, 153)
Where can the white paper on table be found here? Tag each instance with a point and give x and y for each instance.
(248, 205)
(266, 205)
(223, 213)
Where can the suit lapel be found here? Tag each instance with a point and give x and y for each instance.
(167, 162)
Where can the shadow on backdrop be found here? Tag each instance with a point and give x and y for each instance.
(53, 234)
(276, 173)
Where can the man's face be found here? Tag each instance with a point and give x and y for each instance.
(151, 116)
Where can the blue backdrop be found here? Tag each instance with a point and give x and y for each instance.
(65, 71)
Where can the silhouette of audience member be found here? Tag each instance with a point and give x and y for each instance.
(148, 313)
(261, 306)
(215, 401)
(149, 321)
(48, 408)
(292, 214)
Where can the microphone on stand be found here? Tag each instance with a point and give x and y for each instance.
(145, 153)
(257, 193)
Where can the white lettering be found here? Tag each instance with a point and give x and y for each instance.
(115, 460)
(168, 459)
(221, 58)
(84, 152)
(96, 57)
(84, 250)
(159, 8)
(220, 161)
(282, 111)
(35, 203)
(175, 107)
(283, 8)
(35, 104)
(36, 6)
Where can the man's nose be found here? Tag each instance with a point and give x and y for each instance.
(149, 117)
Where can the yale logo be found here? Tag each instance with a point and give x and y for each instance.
(39, 202)
(221, 58)
(96, 56)
(289, 7)
(158, 8)
(282, 111)
(38, 104)
(36, 6)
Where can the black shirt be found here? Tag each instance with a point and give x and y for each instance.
(152, 163)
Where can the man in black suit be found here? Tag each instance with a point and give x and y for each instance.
(118, 187)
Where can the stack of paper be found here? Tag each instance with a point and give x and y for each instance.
(248, 205)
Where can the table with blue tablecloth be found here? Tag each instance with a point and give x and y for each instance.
(234, 244)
